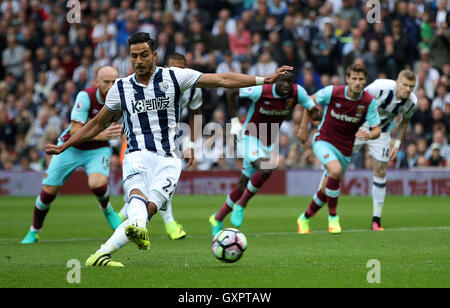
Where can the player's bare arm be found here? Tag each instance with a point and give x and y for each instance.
(235, 80)
(373, 134)
(302, 133)
(401, 132)
(114, 131)
(315, 113)
(85, 133)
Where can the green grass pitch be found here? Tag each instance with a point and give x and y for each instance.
(413, 251)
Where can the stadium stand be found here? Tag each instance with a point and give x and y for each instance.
(45, 61)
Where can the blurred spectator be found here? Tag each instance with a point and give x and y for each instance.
(440, 46)
(324, 49)
(13, 56)
(436, 160)
(411, 155)
(240, 41)
(442, 98)
(265, 65)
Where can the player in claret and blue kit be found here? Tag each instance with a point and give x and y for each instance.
(93, 156)
(346, 108)
(271, 104)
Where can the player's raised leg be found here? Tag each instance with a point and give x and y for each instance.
(378, 192)
(41, 208)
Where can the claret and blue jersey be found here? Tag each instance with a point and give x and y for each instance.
(269, 108)
(342, 116)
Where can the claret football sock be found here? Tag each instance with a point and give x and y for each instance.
(332, 191)
(102, 194)
(227, 207)
(41, 209)
(319, 199)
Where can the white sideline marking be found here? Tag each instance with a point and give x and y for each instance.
(101, 239)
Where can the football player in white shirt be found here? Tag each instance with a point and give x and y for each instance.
(394, 98)
(149, 102)
(192, 99)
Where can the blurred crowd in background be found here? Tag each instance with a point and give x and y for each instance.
(45, 61)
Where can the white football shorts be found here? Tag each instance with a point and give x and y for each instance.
(378, 148)
(155, 175)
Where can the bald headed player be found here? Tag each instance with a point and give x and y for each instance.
(93, 156)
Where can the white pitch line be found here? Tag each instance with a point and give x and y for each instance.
(438, 228)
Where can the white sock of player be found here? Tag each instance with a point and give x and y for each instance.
(378, 195)
(117, 240)
(137, 211)
(124, 210)
(167, 215)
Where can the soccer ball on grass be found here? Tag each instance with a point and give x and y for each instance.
(228, 245)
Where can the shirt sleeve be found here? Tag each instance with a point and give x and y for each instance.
(323, 96)
(187, 78)
(80, 110)
(252, 93)
(112, 102)
(373, 89)
(304, 99)
(197, 100)
(372, 116)
(408, 115)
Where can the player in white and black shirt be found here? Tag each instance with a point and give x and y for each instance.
(150, 103)
(394, 99)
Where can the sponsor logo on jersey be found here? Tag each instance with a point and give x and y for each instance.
(274, 112)
(344, 117)
(146, 105)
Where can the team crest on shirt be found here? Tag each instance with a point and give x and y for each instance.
(164, 86)
(326, 156)
(360, 110)
(79, 106)
(290, 103)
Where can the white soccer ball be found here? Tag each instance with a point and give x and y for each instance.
(228, 245)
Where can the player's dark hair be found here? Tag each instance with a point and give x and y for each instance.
(177, 56)
(141, 37)
(356, 68)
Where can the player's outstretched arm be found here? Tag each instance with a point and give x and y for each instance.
(235, 80)
(85, 133)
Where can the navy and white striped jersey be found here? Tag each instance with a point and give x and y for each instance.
(389, 107)
(192, 98)
(151, 113)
